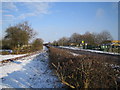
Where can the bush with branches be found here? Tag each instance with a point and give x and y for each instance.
(83, 71)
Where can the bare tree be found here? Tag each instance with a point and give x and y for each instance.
(76, 38)
(19, 35)
(55, 43)
(37, 44)
(63, 41)
(89, 38)
(103, 36)
(26, 27)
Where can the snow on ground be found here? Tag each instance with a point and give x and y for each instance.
(102, 52)
(67, 47)
(29, 72)
(76, 48)
(74, 54)
(4, 57)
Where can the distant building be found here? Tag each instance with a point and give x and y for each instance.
(113, 46)
(116, 43)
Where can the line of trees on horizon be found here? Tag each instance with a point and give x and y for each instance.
(94, 39)
(21, 39)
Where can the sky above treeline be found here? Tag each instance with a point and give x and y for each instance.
(53, 20)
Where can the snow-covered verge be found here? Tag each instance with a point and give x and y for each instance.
(4, 57)
(74, 54)
(96, 51)
(67, 47)
(29, 72)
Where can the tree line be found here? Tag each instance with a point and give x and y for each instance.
(91, 39)
(19, 38)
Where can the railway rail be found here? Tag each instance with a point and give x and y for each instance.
(17, 58)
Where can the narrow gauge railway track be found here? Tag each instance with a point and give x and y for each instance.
(17, 58)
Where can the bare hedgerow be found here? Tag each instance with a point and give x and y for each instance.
(83, 71)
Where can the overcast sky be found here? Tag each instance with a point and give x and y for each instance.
(54, 20)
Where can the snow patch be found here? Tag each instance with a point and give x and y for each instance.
(29, 72)
(4, 57)
(96, 51)
(74, 54)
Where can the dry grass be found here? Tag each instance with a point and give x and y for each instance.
(82, 71)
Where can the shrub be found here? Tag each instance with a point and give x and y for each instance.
(83, 71)
(37, 44)
(5, 53)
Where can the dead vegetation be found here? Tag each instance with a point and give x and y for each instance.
(83, 71)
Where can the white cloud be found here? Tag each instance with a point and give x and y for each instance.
(6, 8)
(23, 16)
(100, 12)
(35, 9)
(8, 17)
(39, 7)
(9, 6)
